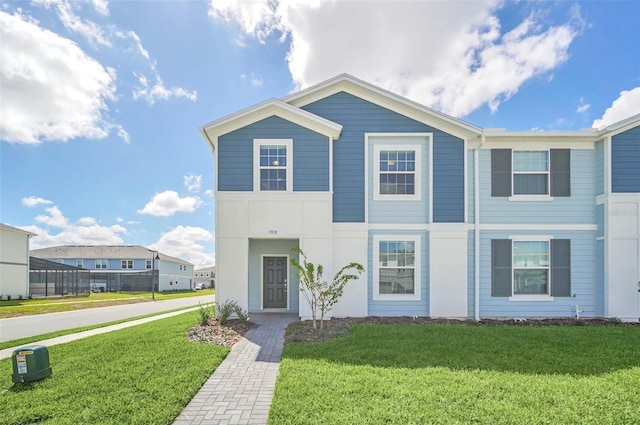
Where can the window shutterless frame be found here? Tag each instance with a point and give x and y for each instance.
(273, 165)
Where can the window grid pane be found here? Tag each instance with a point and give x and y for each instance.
(396, 267)
(273, 167)
(397, 172)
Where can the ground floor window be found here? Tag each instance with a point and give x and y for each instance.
(396, 267)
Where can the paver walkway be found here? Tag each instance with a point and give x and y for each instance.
(241, 388)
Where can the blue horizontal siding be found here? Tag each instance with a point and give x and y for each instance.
(574, 209)
(583, 280)
(448, 179)
(600, 189)
(625, 161)
(399, 308)
(310, 155)
(358, 116)
(471, 188)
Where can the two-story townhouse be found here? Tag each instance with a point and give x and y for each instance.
(14, 261)
(123, 267)
(449, 219)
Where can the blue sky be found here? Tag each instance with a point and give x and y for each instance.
(101, 102)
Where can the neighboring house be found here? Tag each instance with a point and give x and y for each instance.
(14, 261)
(123, 267)
(449, 219)
(206, 276)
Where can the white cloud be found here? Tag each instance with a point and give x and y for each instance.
(193, 183)
(119, 219)
(51, 90)
(256, 81)
(88, 29)
(32, 201)
(101, 6)
(582, 107)
(59, 231)
(209, 192)
(625, 106)
(158, 91)
(168, 203)
(453, 56)
(183, 242)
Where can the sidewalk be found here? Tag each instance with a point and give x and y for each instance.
(6, 353)
(241, 388)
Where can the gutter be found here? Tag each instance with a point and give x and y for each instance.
(476, 222)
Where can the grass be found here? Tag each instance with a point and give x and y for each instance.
(36, 338)
(15, 308)
(145, 374)
(463, 375)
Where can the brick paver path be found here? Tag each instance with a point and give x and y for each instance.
(241, 388)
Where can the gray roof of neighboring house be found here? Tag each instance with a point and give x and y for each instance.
(206, 269)
(101, 252)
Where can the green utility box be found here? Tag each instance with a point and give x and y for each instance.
(30, 364)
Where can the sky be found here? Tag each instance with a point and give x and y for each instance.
(101, 102)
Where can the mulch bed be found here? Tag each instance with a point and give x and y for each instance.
(300, 332)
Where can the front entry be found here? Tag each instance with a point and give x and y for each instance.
(274, 281)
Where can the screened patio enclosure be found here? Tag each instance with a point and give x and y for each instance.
(48, 278)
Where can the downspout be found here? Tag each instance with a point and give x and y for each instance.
(476, 222)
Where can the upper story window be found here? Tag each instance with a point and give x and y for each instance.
(273, 170)
(79, 263)
(101, 264)
(397, 172)
(149, 264)
(522, 174)
(397, 268)
(127, 264)
(530, 172)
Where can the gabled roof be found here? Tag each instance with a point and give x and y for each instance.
(620, 126)
(119, 252)
(264, 110)
(15, 229)
(374, 94)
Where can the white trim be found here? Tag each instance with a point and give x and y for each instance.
(257, 143)
(262, 283)
(416, 296)
(476, 231)
(430, 195)
(330, 159)
(530, 238)
(530, 198)
(607, 165)
(531, 298)
(523, 227)
(465, 177)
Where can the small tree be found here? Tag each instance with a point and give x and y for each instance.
(322, 295)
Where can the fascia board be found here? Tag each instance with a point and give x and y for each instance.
(267, 109)
(386, 99)
(583, 136)
(620, 126)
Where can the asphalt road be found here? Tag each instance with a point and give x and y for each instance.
(26, 326)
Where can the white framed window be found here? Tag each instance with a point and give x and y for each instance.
(272, 165)
(127, 264)
(101, 264)
(396, 172)
(79, 263)
(397, 261)
(149, 264)
(530, 172)
(530, 267)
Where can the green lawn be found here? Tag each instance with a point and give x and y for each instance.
(145, 374)
(463, 375)
(26, 307)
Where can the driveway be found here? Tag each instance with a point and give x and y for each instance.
(26, 326)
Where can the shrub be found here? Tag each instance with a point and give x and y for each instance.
(8, 297)
(225, 310)
(243, 315)
(205, 313)
(20, 297)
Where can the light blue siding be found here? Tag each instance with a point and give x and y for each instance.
(400, 308)
(259, 247)
(600, 220)
(599, 263)
(600, 189)
(406, 212)
(310, 155)
(448, 180)
(583, 280)
(357, 116)
(625, 161)
(574, 209)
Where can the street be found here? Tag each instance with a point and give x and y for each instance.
(22, 327)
